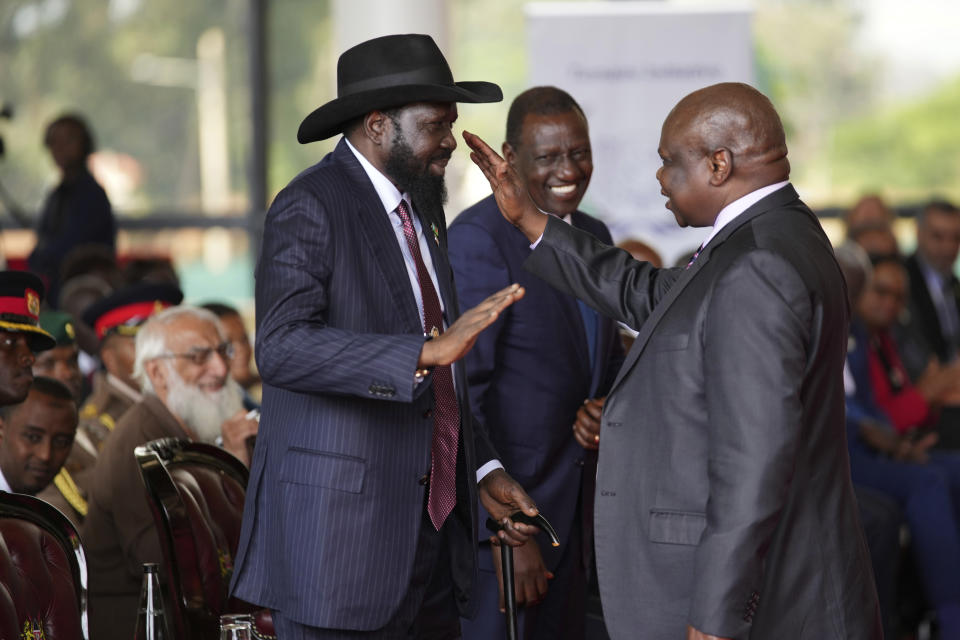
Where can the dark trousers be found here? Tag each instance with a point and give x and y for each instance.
(929, 495)
(881, 519)
(427, 611)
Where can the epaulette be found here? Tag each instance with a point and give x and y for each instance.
(107, 420)
(71, 492)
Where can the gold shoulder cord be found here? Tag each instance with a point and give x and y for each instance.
(107, 421)
(71, 492)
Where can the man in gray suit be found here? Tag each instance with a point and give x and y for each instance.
(361, 513)
(724, 504)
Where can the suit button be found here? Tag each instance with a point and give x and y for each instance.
(428, 413)
(424, 479)
(578, 462)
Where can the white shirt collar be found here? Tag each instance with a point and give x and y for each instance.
(738, 206)
(4, 485)
(389, 195)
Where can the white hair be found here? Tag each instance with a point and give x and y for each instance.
(204, 412)
(151, 341)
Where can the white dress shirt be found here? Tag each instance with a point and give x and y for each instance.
(390, 196)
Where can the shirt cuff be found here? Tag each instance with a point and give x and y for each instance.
(493, 465)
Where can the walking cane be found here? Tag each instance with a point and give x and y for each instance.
(506, 564)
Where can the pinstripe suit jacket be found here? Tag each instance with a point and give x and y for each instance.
(335, 501)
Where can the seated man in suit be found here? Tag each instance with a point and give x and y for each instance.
(535, 367)
(875, 240)
(934, 319)
(35, 437)
(869, 212)
(182, 362)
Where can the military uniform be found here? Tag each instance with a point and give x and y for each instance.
(122, 313)
(110, 399)
(119, 532)
(68, 494)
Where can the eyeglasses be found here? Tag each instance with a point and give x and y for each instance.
(201, 355)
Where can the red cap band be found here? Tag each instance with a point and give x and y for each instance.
(126, 313)
(27, 305)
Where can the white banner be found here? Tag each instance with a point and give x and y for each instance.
(627, 64)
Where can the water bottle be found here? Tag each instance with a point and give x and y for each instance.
(236, 627)
(151, 622)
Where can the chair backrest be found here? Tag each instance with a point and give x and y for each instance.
(196, 492)
(43, 572)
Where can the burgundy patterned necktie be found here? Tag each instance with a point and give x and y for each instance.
(446, 414)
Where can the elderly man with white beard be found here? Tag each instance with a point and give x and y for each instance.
(182, 363)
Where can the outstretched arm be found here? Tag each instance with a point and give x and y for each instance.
(456, 341)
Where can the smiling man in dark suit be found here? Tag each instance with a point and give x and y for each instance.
(539, 365)
(361, 517)
(724, 503)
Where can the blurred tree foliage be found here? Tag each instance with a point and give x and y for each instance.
(844, 139)
(909, 152)
(80, 55)
(815, 80)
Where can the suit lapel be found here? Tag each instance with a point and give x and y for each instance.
(604, 329)
(376, 228)
(570, 311)
(776, 199)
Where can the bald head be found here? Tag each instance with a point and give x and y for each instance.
(737, 117)
(729, 135)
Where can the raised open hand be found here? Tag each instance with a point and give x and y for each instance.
(508, 188)
(456, 341)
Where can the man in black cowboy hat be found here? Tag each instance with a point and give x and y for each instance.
(361, 510)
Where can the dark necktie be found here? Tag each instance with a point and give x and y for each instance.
(442, 494)
(590, 327)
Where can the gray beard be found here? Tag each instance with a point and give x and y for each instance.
(203, 412)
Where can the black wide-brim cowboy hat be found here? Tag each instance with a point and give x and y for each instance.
(388, 72)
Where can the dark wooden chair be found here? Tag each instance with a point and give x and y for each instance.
(196, 492)
(43, 572)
